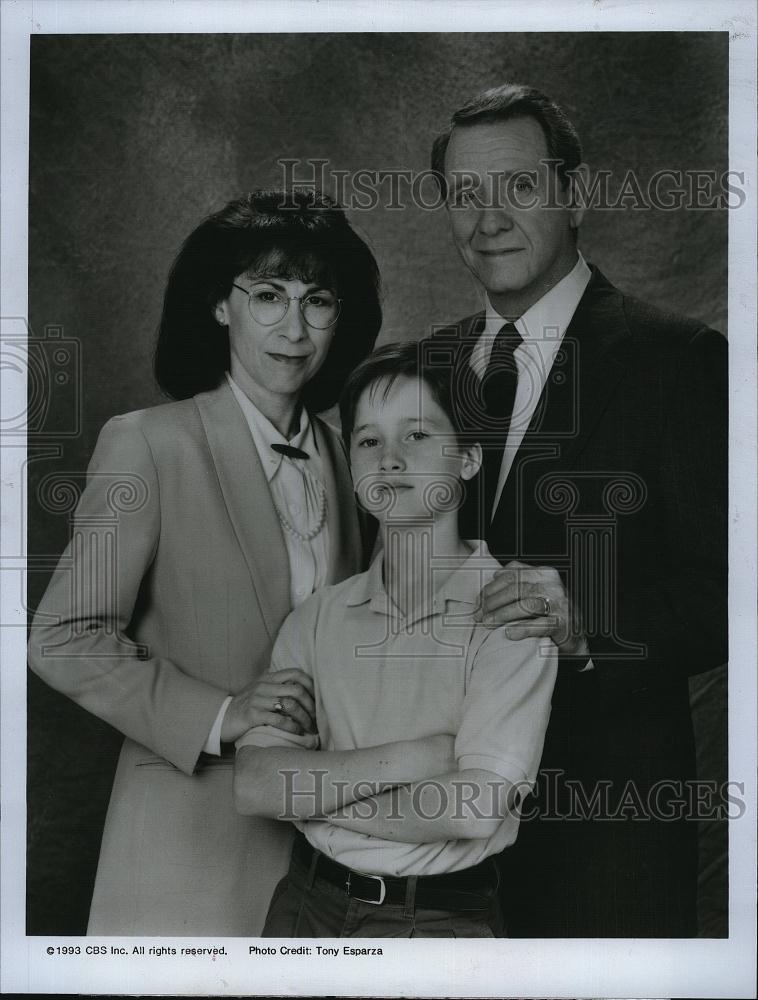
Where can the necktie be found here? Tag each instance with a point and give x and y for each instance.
(501, 378)
(498, 395)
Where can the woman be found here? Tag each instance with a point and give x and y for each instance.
(203, 522)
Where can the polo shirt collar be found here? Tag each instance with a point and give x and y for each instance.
(461, 587)
(366, 586)
(464, 584)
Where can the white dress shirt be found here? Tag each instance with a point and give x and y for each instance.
(297, 490)
(296, 487)
(542, 328)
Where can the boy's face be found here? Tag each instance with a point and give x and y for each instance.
(406, 460)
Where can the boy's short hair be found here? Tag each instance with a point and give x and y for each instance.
(410, 359)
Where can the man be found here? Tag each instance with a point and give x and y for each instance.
(604, 495)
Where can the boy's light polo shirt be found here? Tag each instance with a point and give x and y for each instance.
(380, 677)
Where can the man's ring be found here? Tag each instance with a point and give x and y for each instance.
(278, 707)
(546, 609)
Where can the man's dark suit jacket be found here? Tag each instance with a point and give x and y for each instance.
(620, 483)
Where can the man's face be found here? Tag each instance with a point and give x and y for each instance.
(508, 212)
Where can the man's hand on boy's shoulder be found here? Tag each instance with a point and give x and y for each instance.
(531, 602)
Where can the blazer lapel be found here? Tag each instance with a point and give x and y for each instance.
(248, 502)
(341, 512)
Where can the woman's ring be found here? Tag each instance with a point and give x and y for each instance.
(546, 609)
(278, 707)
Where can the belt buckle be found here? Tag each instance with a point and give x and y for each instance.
(382, 888)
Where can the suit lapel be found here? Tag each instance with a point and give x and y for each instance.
(450, 348)
(342, 516)
(579, 387)
(593, 368)
(465, 391)
(248, 502)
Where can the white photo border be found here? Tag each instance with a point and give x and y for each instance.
(609, 968)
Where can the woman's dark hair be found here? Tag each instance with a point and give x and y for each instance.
(391, 361)
(513, 100)
(292, 235)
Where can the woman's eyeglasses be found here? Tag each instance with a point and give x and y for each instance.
(320, 309)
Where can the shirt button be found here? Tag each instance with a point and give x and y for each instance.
(295, 508)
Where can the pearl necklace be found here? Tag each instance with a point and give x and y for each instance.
(305, 536)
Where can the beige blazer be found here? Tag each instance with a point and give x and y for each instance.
(167, 599)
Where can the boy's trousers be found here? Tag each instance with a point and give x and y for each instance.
(307, 905)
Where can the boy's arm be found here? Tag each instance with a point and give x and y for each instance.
(295, 782)
(498, 750)
(462, 805)
(284, 775)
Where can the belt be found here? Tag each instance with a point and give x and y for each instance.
(462, 890)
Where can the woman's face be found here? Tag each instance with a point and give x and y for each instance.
(274, 362)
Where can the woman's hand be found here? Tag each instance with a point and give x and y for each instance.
(254, 705)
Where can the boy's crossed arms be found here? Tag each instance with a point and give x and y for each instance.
(431, 786)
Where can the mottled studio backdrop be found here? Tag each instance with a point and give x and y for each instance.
(134, 138)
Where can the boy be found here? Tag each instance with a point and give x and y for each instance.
(398, 820)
